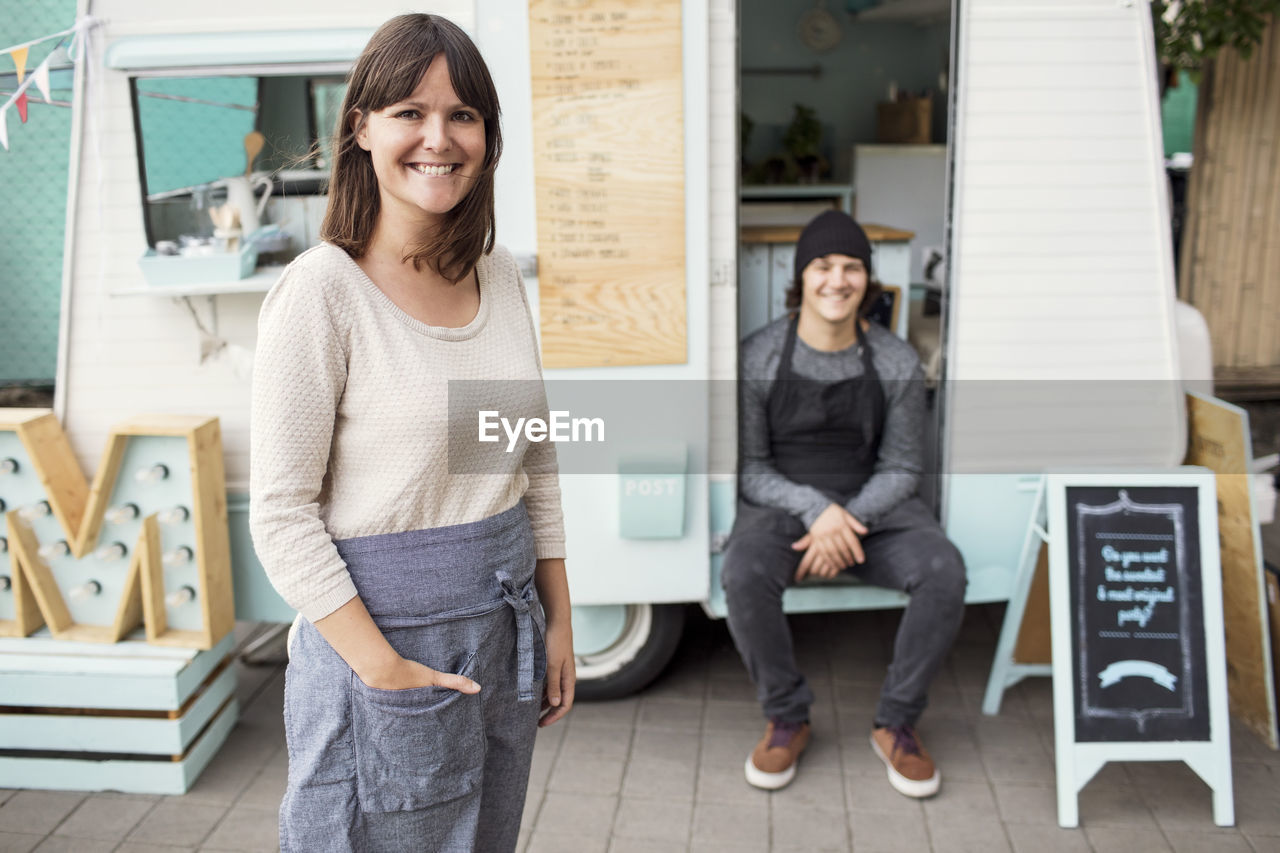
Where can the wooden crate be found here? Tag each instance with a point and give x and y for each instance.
(129, 716)
(908, 121)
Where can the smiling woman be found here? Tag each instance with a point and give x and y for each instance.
(416, 584)
(426, 151)
(444, 109)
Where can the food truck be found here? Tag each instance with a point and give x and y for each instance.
(1017, 142)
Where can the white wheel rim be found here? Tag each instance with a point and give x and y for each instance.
(622, 651)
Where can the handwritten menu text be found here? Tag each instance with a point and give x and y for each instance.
(609, 177)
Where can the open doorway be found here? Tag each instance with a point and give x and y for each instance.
(844, 103)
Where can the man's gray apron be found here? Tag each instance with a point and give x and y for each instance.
(424, 769)
(827, 435)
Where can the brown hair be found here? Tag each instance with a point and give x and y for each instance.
(795, 293)
(389, 70)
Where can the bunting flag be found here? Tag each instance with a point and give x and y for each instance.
(41, 76)
(19, 56)
(20, 53)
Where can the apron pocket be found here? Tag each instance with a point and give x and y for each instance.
(417, 747)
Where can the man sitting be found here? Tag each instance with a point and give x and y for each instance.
(832, 414)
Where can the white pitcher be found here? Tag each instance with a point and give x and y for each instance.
(241, 193)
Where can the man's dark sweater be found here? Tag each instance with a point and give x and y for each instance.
(900, 462)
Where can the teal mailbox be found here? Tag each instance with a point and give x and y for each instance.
(651, 489)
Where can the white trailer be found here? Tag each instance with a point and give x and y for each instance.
(1056, 227)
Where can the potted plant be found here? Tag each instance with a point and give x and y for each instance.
(803, 142)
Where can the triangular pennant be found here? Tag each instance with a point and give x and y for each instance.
(20, 61)
(41, 76)
(21, 102)
(4, 131)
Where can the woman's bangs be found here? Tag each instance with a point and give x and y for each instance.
(470, 85)
(400, 81)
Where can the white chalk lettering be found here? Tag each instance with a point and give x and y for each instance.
(1128, 558)
(1141, 615)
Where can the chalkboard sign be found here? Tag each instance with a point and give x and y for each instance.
(1135, 593)
(1138, 620)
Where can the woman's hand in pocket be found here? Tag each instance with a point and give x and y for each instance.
(561, 672)
(351, 631)
(405, 674)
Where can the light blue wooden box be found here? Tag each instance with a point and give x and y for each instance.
(161, 270)
(124, 716)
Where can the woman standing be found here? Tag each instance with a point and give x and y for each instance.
(421, 571)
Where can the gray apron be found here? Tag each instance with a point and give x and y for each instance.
(423, 769)
(827, 435)
(821, 434)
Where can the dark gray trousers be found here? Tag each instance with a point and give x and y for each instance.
(906, 551)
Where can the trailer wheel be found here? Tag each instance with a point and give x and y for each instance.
(619, 649)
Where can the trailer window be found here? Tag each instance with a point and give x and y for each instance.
(191, 139)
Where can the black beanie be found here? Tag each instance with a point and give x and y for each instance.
(832, 231)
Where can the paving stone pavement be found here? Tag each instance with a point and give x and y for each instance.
(663, 771)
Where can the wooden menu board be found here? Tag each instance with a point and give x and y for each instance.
(608, 138)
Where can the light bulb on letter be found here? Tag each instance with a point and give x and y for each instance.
(154, 474)
(85, 590)
(36, 510)
(180, 597)
(173, 515)
(114, 551)
(54, 549)
(179, 556)
(8, 466)
(122, 513)
(6, 583)
(4, 545)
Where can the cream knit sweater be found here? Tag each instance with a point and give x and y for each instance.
(350, 422)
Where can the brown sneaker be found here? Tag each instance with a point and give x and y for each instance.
(911, 770)
(772, 764)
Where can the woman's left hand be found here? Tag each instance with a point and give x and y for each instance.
(561, 673)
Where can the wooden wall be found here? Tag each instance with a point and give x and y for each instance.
(1230, 266)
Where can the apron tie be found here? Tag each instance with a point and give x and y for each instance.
(520, 600)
